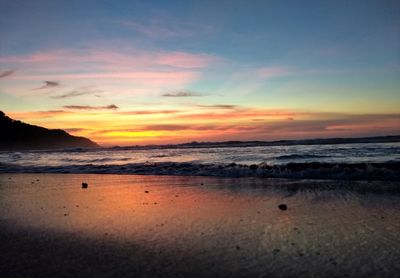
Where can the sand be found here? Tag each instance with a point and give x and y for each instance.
(164, 226)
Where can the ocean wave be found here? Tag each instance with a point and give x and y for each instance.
(95, 160)
(312, 170)
(299, 156)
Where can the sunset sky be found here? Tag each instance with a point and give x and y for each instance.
(145, 72)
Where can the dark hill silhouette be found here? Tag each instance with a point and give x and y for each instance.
(16, 135)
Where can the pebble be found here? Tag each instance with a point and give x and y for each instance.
(282, 207)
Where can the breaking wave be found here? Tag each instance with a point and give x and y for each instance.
(312, 170)
(299, 156)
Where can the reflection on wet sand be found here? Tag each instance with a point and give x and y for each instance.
(152, 225)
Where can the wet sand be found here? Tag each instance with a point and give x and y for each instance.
(163, 226)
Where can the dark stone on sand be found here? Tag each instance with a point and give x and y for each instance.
(253, 166)
(146, 191)
(84, 185)
(282, 207)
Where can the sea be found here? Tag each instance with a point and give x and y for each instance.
(368, 161)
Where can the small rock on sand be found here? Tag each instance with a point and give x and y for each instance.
(84, 185)
(146, 191)
(282, 207)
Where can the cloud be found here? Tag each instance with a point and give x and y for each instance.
(149, 70)
(218, 106)
(158, 29)
(76, 93)
(88, 107)
(154, 30)
(147, 78)
(102, 59)
(181, 127)
(74, 129)
(185, 60)
(6, 73)
(49, 84)
(235, 112)
(148, 112)
(38, 114)
(181, 94)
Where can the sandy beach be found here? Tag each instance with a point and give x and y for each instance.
(165, 226)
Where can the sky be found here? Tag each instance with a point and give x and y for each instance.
(161, 72)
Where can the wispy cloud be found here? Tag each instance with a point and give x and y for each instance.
(88, 107)
(181, 94)
(72, 94)
(109, 59)
(147, 78)
(38, 114)
(148, 112)
(217, 106)
(154, 30)
(6, 73)
(74, 129)
(75, 93)
(48, 84)
(148, 70)
(158, 29)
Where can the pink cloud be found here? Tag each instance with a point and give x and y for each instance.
(185, 60)
(109, 59)
(152, 67)
(178, 78)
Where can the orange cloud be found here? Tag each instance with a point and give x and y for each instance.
(37, 114)
(226, 123)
